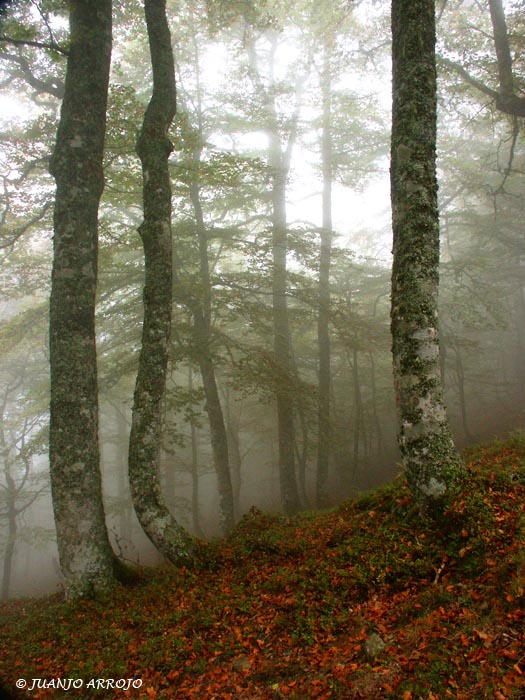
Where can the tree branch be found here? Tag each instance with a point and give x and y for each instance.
(501, 44)
(53, 86)
(36, 44)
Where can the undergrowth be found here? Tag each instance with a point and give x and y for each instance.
(288, 607)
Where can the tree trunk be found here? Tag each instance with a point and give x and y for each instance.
(431, 462)
(195, 505)
(379, 440)
(358, 417)
(154, 148)
(202, 330)
(233, 421)
(76, 165)
(501, 44)
(284, 389)
(279, 165)
(10, 494)
(323, 335)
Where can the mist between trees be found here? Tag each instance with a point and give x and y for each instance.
(279, 390)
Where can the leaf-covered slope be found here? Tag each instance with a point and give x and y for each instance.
(364, 601)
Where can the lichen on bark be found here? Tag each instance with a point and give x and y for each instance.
(154, 148)
(85, 554)
(431, 462)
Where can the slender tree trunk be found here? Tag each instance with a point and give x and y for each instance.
(76, 165)
(519, 362)
(234, 446)
(323, 334)
(279, 165)
(154, 148)
(200, 307)
(431, 462)
(9, 552)
(202, 329)
(358, 416)
(284, 389)
(460, 375)
(301, 454)
(195, 505)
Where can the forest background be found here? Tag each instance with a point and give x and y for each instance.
(249, 92)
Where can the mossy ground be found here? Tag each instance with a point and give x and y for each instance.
(283, 607)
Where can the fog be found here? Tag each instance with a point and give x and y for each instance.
(222, 71)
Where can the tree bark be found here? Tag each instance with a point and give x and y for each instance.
(431, 462)
(154, 148)
(501, 44)
(76, 164)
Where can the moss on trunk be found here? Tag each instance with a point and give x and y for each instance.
(154, 148)
(430, 459)
(76, 164)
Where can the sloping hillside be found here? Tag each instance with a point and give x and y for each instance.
(364, 601)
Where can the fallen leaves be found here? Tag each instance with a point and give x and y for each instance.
(283, 608)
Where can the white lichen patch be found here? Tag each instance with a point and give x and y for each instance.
(434, 488)
(427, 343)
(432, 412)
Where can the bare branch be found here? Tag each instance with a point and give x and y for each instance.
(52, 86)
(35, 44)
(18, 232)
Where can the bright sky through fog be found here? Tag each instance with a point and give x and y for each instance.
(13, 109)
(361, 218)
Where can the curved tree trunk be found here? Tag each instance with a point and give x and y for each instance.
(429, 456)
(76, 164)
(154, 148)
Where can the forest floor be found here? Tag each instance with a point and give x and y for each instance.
(367, 600)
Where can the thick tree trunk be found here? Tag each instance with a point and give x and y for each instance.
(431, 462)
(323, 334)
(76, 165)
(154, 148)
